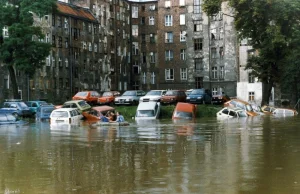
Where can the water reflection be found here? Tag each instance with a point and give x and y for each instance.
(252, 155)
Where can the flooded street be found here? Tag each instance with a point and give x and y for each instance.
(254, 155)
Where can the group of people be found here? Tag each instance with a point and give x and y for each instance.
(111, 117)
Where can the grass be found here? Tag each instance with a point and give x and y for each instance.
(166, 111)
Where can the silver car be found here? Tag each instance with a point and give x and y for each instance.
(153, 96)
(130, 97)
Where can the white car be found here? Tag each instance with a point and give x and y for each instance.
(148, 110)
(153, 96)
(231, 113)
(65, 116)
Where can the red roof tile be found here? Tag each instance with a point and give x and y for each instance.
(75, 11)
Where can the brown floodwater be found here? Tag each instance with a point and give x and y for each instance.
(258, 155)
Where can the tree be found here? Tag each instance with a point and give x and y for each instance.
(21, 50)
(268, 25)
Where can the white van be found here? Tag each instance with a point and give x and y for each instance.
(147, 110)
(66, 116)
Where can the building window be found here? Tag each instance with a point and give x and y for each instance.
(59, 62)
(214, 71)
(84, 45)
(59, 22)
(152, 57)
(135, 30)
(198, 44)
(221, 52)
(168, 20)
(90, 46)
(59, 41)
(197, 26)
(47, 37)
(95, 47)
(222, 72)
(144, 58)
(53, 20)
(181, 2)
(152, 38)
(151, 20)
(144, 78)
(168, 37)
(136, 67)
(135, 12)
(182, 54)
(251, 96)
(60, 83)
(143, 38)
(197, 6)
(153, 78)
(169, 55)
(183, 73)
(66, 63)
(169, 74)
(251, 78)
(152, 7)
(53, 40)
(182, 19)
(143, 20)
(213, 53)
(221, 33)
(135, 48)
(198, 64)
(67, 42)
(167, 3)
(182, 36)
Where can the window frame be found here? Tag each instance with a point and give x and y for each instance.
(169, 74)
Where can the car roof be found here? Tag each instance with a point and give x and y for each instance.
(73, 101)
(183, 106)
(103, 108)
(146, 105)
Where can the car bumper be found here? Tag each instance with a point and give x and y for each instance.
(194, 101)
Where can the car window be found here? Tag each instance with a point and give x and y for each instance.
(13, 106)
(47, 110)
(197, 92)
(183, 114)
(145, 113)
(105, 94)
(82, 103)
(81, 94)
(232, 113)
(34, 104)
(22, 105)
(129, 93)
(225, 111)
(60, 114)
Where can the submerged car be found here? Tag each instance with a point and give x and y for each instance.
(228, 112)
(65, 116)
(35, 104)
(153, 96)
(199, 96)
(95, 112)
(16, 107)
(173, 96)
(148, 110)
(8, 118)
(90, 97)
(81, 105)
(44, 111)
(284, 112)
(130, 97)
(108, 97)
(236, 103)
(184, 111)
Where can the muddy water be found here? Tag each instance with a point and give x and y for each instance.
(255, 155)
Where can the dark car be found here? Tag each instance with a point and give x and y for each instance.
(220, 98)
(173, 96)
(8, 118)
(16, 107)
(199, 96)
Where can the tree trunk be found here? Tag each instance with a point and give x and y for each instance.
(13, 82)
(266, 93)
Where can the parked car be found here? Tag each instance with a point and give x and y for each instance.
(173, 96)
(8, 118)
(148, 110)
(153, 96)
(90, 97)
(284, 112)
(227, 112)
(65, 116)
(16, 107)
(199, 96)
(188, 92)
(219, 98)
(33, 105)
(130, 97)
(44, 111)
(81, 105)
(108, 97)
(95, 112)
(241, 104)
(184, 111)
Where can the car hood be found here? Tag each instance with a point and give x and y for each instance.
(195, 95)
(125, 97)
(151, 97)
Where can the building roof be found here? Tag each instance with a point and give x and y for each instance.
(75, 11)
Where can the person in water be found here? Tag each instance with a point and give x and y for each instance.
(120, 117)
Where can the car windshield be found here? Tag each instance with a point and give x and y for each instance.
(242, 114)
(171, 93)
(81, 94)
(22, 105)
(145, 113)
(182, 114)
(249, 107)
(129, 93)
(197, 92)
(107, 94)
(47, 110)
(83, 103)
(60, 114)
(153, 93)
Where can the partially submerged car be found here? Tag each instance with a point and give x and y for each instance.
(228, 112)
(130, 97)
(236, 103)
(284, 112)
(35, 104)
(153, 96)
(199, 96)
(16, 107)
(108, 97)
(173, 96)
(81, 105)
(184, 111)
(44, 111)
(90, 97)
(65, 116)
(95, 112)
(8, 118)
(148, 110)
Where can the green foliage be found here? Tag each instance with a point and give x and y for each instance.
(212, 7)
